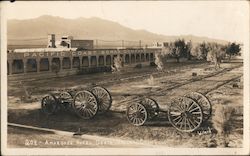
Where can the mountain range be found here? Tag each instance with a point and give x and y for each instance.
(35, 31)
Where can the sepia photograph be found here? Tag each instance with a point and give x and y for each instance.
(125, 77)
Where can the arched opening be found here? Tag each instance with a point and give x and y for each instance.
(151, 57)
(108, 60)
(31, 65)
(85, 61)
(17, 66)
(127, 59)
(55, 65)
(93, 61)
(44, 64)
(132, 58)
(101, 61)
(142, 57)
(147, 57)
(66, 64)
(76, 62)
(137, 57)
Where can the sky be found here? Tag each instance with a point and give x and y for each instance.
(227, 20)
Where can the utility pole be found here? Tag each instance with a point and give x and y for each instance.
(96, 42)
(139, 43)
(122, 43)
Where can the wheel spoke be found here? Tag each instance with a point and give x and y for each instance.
(194, 109)
(190, 120)
(179, 121)
(187, 120)
(178, 117)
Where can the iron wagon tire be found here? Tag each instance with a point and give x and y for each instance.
(151, 106)
(68, 97)
(104, 98)
(85, 104)
(136, 114)
(49, 104)
(204, 102)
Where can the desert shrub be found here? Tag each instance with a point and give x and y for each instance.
(221, 122)
(221, 119)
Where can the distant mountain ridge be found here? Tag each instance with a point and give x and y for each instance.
(34, 31)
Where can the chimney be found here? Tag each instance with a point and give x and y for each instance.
(51, 41)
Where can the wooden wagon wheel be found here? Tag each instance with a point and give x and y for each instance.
(85, 104)
(49, 104)
(185, 114)
(151, 106)
(104, 98)
(204, 102)
(66, 99)
(137, 114)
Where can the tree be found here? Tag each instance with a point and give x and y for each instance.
(216, 54)
(200, 51)
(177, 49)
(188, 48)
(233, 49)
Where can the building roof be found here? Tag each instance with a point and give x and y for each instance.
(44, 50)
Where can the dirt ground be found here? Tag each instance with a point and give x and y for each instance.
(176, 80)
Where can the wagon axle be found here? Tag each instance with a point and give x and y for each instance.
(185, 113)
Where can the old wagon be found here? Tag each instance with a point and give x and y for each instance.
(186, 113)
(84, 103)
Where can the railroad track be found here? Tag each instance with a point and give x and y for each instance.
(164, 90)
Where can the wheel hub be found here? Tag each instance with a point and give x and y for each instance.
(84, 104)
(137, 114)
(185, 114)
